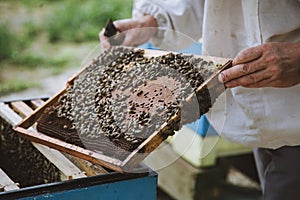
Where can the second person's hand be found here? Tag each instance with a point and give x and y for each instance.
(136, 31)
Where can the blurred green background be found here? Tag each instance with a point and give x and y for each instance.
(41, 38)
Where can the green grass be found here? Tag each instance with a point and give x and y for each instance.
(12, 44)
(80, 21)
(31, 31)
(35, 61)
(8, 42)
(16, 86)
(46, 28)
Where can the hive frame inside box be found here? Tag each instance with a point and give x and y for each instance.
(85, 178)
(135, 157)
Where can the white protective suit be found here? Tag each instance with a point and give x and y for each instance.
(265, 117)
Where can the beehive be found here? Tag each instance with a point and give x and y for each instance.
(33, 171)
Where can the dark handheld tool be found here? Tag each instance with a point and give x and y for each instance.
(115, 36)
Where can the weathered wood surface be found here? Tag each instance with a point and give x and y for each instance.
(89, 168)
(6, 184)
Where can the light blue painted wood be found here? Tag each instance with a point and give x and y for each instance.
(140, 188)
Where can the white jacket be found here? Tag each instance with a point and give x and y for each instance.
(267, 117)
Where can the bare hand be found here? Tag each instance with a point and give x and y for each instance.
(137, 31)
(268, 65)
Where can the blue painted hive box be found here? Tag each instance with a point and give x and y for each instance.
(108, 186)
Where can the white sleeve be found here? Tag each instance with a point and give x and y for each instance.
(183, 16)
(259, 117)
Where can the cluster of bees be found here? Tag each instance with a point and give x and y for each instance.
(126, 96)
(22, 161)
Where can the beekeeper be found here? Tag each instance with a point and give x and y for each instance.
(263, 102)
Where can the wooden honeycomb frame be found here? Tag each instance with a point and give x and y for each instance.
(135, 157)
